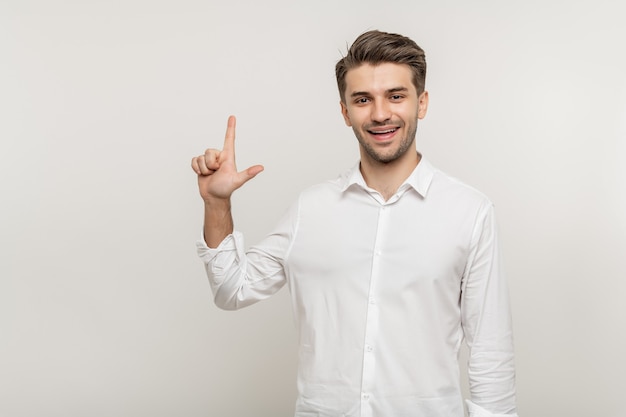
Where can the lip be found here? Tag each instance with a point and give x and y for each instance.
(383, 133)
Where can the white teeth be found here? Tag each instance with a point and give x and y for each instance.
(382, 132)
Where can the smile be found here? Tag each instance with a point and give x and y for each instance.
(382, 132)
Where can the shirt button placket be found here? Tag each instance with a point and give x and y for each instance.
(371, 327)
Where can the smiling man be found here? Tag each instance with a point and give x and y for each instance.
(390, 267)
(383, 106)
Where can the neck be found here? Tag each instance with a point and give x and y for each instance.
(387, 177)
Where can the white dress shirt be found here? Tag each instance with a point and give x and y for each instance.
(383, 294)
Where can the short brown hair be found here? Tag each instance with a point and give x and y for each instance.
(376, 47)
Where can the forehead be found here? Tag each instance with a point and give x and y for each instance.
(379, 78)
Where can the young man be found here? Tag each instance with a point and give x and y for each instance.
(389, 267)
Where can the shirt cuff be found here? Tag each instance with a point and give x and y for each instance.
(207, 254)
(477, 411)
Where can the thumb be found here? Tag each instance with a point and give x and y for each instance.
(247, 174)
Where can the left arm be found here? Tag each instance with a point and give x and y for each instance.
(486, 321)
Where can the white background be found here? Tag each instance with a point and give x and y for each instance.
(104, 306)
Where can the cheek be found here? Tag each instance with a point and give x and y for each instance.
(414, 114)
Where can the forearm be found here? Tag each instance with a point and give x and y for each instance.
(218, 221)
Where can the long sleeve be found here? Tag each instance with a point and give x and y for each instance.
(486, 320)
(238, 277)
(376, 297)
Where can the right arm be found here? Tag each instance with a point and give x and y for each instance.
(237, 278)
(218, 178)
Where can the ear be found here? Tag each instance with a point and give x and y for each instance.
(344, 113)
(422, 105)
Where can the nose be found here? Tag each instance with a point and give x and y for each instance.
(381, 111)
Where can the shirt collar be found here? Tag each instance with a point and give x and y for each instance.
(420, 179)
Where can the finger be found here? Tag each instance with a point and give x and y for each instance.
(229, 139)
(211, 159)
(247, 174)
(199, 166)
(254, 170)
(203, 169)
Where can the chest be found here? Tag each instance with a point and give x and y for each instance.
(409, 244)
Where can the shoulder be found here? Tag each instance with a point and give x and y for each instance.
(323, 191)
(331, 187)
(325, 196)
(456, 191)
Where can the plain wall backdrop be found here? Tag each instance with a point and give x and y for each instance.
(104, 307)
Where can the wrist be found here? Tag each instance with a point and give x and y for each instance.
(216, 202)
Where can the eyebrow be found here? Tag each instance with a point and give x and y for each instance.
(391, 90)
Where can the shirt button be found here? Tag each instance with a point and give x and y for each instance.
(368, 348)
(372, 301)
(366, 397)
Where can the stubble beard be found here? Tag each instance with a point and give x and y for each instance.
(381, 158)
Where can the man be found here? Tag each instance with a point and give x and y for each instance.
(389, 267)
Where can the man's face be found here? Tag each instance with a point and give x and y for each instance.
(382, 107)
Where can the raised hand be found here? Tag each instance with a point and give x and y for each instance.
(217, 173)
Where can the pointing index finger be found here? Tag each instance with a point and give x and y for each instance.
(229, 140)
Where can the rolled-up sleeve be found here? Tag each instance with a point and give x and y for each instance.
(477, 411)
(240, 277)
(487, 325)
